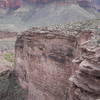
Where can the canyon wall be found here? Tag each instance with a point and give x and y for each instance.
(6, 34)
(44, 63)
(10, 88)
(85, 83)
(15, 4)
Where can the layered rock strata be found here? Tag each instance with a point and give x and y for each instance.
(44, 63)
(85, 83)
(4, 34)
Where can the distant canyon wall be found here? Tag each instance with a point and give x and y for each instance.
(5, 34)
(14, 4)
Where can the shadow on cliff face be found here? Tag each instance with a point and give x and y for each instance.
(10, 88)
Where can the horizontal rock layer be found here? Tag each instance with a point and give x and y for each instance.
(4, 34)
(86, 81)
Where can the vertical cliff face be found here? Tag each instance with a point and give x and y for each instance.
(86, 81)
(44, 63)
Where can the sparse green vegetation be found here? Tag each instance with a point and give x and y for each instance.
(9, 57)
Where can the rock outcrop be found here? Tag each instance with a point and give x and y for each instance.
(10, 88)
(4, 34)
(85, 83)
(44, 63)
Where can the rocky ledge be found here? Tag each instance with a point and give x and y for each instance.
(85, 83)
(6, 34)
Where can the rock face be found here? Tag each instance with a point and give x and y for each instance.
(15, 4)
(4, 34)
(84, 3)
(9, 85)
(90, 4)
(86, 81)
(44, 63)
(10, 88)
